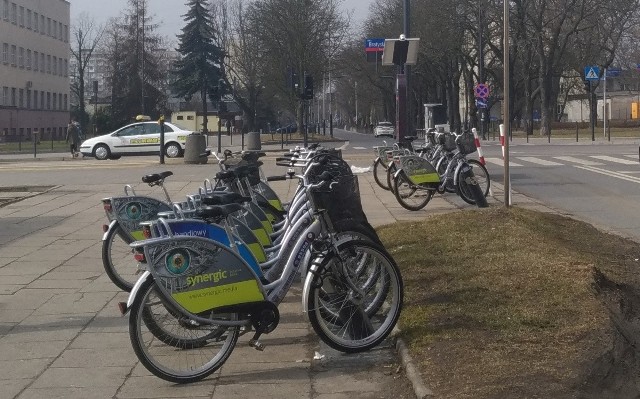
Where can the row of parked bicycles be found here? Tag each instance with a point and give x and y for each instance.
(415, 173)
(203, 271)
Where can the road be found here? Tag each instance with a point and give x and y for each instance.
(598, 182)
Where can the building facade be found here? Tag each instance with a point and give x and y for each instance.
(34, 69)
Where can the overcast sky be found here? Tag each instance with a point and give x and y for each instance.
(168, 12)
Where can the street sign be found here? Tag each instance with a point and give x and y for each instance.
(374, 45)
(481, 103)
(591, 73)
(481, 90)
(612, 72)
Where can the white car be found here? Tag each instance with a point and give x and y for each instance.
(137, 139)
(384, 129)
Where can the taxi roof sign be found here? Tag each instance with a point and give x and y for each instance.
(143, 118)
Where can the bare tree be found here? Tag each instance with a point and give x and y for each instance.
(86, 36)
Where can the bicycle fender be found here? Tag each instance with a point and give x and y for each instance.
(112, 225)
(135, 290)
(306, 287)
(459, 171)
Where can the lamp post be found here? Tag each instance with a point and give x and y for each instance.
(505, 107)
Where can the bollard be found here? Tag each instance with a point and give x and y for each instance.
(477, 141)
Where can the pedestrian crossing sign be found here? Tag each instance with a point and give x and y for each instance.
(591, 73)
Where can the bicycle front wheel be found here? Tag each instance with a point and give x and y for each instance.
(177, 361)
(391, 171)
(481, 176)
(117, 259)
(380, 174)
(409, 195)
(355, 298)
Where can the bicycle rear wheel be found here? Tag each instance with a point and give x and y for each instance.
(411, 196)
(355, 319)
(380, 174)
(391, 170)
(117, 259)
(177, 362)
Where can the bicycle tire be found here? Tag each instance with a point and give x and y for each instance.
(117, 260)
(360, 230)
(482, 179)
(404, 191)
(378, 170)
(164, 364)
(354, 329)
(391, 170)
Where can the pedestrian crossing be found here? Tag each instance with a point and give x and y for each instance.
(586, 160)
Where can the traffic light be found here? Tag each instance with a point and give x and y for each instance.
(307, 93)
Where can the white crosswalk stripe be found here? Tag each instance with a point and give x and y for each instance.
(539, 161)
(614, 160)
(579, 161)
(359, 148)
(499, 161)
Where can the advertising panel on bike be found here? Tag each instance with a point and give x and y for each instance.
(129, 211)
(200, 274)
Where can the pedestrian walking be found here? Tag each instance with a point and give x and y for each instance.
(74, 136)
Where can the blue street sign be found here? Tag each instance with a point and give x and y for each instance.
(612, 72)
(481, 103)
(374, 45)
(592, 72)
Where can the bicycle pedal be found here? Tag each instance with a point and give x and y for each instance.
(257, 345)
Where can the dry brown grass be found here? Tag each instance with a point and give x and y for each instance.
(499, 302)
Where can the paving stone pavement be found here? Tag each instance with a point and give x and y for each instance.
(62, 336)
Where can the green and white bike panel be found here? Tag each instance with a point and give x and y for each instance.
(129, 211)
(418, 169)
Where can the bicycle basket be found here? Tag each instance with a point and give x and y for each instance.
(466, 143)
(448, 141)
(342, 201)
(327, 163)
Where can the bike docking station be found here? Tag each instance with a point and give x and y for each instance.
(401, 52)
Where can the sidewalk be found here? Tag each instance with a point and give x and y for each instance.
(61, 334)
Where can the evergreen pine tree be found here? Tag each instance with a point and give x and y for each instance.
(200, 67)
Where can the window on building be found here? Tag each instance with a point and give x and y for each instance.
(42, 62)
(54, 66)
(48, 26)
(60, 35)
(42, 24)
(66, 68)
(28, 98)
(35, 61)
(13, 55)
(5, 9)
(66, 34)
(14, 13)
(21, 16)
(48, 64)
(60, 67)
(5, 96)
(48, 100)
(5, 53)
(55, 102)
(60, 101)
(180, 117)
(21, 57)
(35, 22)
(189, 117)
(35, 99)
(28, 61)
(13, 96)
(65, 103)
(42, 100)
(28, 19)
(21, 98)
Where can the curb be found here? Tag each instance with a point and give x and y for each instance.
(419, 387)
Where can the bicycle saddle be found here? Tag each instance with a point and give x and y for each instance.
(224, 198)
(156, 177)
(226, 175)
(409, 138)
(217, 211)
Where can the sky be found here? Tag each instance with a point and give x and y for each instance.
(168, 13)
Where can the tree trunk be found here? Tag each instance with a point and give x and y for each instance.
(205, 118)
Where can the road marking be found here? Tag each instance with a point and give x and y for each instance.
(613, 159)
(610, 173)
(359, 148)
(632, 156)
(499, 161)
(579, 161)
(344, 146)
(540, 161)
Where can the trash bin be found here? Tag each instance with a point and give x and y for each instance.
(253, 141)
(194, 147)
